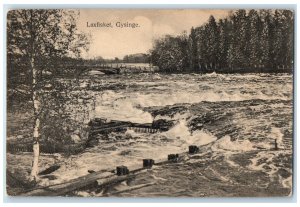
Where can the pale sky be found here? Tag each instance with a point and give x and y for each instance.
(117, 42)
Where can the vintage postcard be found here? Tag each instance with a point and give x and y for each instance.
(150, 102)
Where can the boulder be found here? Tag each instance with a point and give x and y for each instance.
(162, 124)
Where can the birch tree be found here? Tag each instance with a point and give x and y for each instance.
(40, 36)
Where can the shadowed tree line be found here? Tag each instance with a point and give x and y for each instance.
(136, 58)
(245, 41)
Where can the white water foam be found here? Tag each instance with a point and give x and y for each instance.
(177, 116)
(277, 134)
(215, 75)
(128, 107)
(127, 104)
(112, 105)
(225, 143)
(182, 132)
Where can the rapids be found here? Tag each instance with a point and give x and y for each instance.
(235, 115)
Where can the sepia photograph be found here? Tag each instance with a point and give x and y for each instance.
(149, 102)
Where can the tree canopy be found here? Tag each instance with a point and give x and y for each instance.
(42, 36)
(244, 41)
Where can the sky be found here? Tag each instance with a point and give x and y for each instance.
(111, 42)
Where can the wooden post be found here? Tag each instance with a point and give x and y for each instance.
(276, 146)
(193, 149)
(148, 163)
(122, 170)
(173, 157)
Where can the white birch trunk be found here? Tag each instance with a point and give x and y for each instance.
(36, 151)
(36, 130)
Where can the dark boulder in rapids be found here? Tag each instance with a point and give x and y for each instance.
(162, 124)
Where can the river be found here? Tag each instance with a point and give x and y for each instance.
(237, 117)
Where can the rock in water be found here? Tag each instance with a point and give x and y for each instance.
(50, 170)
(50, 177)
(162, 124)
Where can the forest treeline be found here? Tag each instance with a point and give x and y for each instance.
(136, 58)
(245, 41)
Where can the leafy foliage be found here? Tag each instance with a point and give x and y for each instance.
(171, 53)
(38, 42)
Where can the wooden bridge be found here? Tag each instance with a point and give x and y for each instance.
(116, 68)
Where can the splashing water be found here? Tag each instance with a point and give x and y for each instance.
(277, 134)
(150, 91)
(225, 143)
(183, 133)
(238, 114)
(138, 91)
